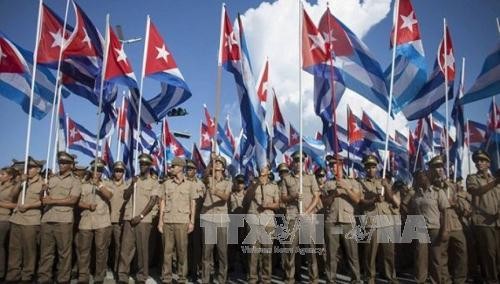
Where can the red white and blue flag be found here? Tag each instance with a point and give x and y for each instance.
(280, 137)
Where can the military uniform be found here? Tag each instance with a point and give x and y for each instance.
(339, 223)
(6, 190)
(237, 259)
(116, 211)
(380, 222)
(94, 226)
(136, 238)
(57, 226)
(485, 217)
(429, 203)
(290, 186)
(194, 244)
(177, 196)
(256, 196)
(215, 213)
(25, 227)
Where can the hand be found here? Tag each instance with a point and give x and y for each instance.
(92, 207)
(22, 208)
(47, 200)
(96, 181)
(444, 236)
(134, 179)
(160, 227)
(136, 220)
(343, 184)
(24, 177)
(45, 187)
(190, 227)
(379, 198)
(385, 184)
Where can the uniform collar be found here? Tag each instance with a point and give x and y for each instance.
(177, 181)
(68, 173)
(484, 175)
(35, 179)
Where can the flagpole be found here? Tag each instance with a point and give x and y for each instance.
(391, 86)
(32, 94)
(67, 135)
(217, 91)
(348, 142)
(445, 39)
(468, 147)
(332, 90)
(301, 210)
(118, 147)
(495, 128)
(56, 140)
(498, 25)
(460, 93)
(418, 147)
(101, 91)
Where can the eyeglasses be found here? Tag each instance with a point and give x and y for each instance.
(119, 171)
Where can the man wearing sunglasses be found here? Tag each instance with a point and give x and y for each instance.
(118, 185)
(291, 196)
(60, 196)
(95, 225)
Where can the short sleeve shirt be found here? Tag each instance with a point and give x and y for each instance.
(341, 210)
(61, 187)
(214, 208)
(380, 214)
(32, 195)
(178, 197)
(485, 207)
(430, 203)
(291, 185)
(100, 217)
(262, 194)
(6, 195)
(145, 188)
(117, 202)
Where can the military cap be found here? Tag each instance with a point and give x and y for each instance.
(239, 178)
(177, 161)
(100, 163)
(119, 165)
(35, 163)
(283, 167)
(296, 155)
(333, 159)
(480, 155)
(79, 168)
(191, 164)
(18, 165)
(145, 158)
(437, 161)
(222, 160)
(66, 157)
(320, 172)
(370, 160)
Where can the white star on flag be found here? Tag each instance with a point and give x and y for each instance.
(2, 55)
(73, 133)
(162, 53)
(174, 148)
(317, 42)
(86, 39)
(408, 21)
(230, 40)
(450, 60)
(121, 55)
(294, 136)
(205, 137)
(58, 38)
(329, 38)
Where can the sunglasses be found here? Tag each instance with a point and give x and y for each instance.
(119, 171)
(321, 176)
(62, 162)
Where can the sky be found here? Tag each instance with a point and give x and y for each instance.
(191, 31)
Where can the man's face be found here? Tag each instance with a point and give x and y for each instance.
(264, 175)
(335, 169)
(482, 165)
(240, 185)
(176, 170)
(144, 167)
(4, 176)
(219, 166)
(191, 172)
(33, 171)
(118, 174)
(371, 171)
(65, 166)
(296, 164)
(98, 173)
(437, 171)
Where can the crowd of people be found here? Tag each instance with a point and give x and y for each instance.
(77, 224)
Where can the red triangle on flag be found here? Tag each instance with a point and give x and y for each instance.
(51, 37)
(229, 49)
(117, 63)
(158, 57)
(10, 59)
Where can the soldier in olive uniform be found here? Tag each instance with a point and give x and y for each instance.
(25, 226)
(140, 198)
(261, 198)
(236, 257)
(485, 191)
(290, 195)
(430, 202)
(61, 194)
(194, 244)
(177, 213)
(117, 185)
(342, 197)
(456, 245)
(9, 187)
(376, 205)
(95, 225)
(215, 214)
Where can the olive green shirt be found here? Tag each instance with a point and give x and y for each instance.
(291, 185)
(31, 216)
(117, 201)
(61, 187)
(485, 207)
(258, 195)
(178, 196)
(146, 187)
(6, 190)
(214, 208)
(380, 213)
(429, 203)
(341, 210)
(100, 217)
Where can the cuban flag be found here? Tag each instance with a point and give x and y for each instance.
(108, 158)
(205, 140)
(172, 146)
(262, 88)
(51, 38)
(487, 83)
(224, 144)
(353, 62)
(402, 160)
(80, 139)
(355, 133)
(83, 57)
(280, 137)
(313, 148)
(425, 144)
(160, 65)
(15, 80)
(233, 56)
(271, 151)
(432, 94)
(198, 160)
(119, 71)
(475, 133)
(410, 69)
(493, 135)
(209, 122)
(294, 136)
(457, 115)
(229, 134)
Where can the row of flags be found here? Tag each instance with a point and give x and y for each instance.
(332, 53)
